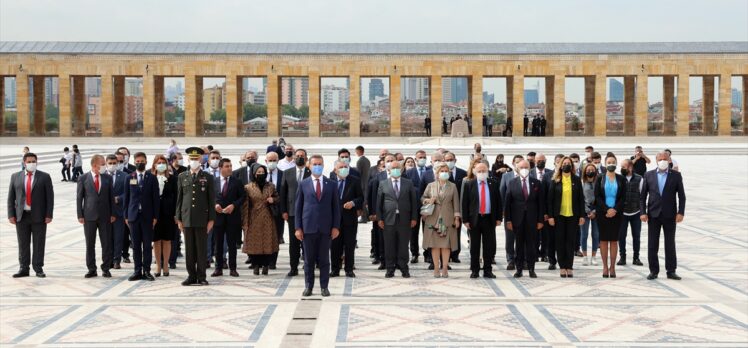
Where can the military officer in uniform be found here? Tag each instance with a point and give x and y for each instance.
(195, 215)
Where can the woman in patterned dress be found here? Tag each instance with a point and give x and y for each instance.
(260, 238)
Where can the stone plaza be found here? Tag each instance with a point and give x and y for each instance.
(708, 308)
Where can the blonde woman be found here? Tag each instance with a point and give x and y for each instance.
(163, 233)
(440, 228)
(566, 211)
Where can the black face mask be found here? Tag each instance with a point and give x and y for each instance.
(590, 174)
(624, 172)
(261, 178)
(611, 168)
(140, 166)
(251, 161)
(541, 164)
(566, 168)
(532, 164)
(300, 161)
(289, 153)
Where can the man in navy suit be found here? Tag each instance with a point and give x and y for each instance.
(141, 212)
(544, 243)
(317, 223)
(414, 174)
(94, 205)
(290, 181)
(345, 156)
(456, 175)
(119, 183)
(228, 224)
(523, 212)
(397, 213)
(511, 254)
(351, 203)
(662, 185)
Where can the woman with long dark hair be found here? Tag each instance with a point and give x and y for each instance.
(609, 196)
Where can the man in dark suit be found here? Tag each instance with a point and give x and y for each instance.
(662, 186)
(456, 175)
(511, 253)
(317, 223)
(273, 147)
(95, 207)
(544, 175)
(123, 166)
(244, 174)
(119, 184)
(345, 156)
(228, 224)
(30, 206)
(363, 165)
(351, 202)
(414, 174)
(377, 236)
(142, 203)
(481, 213)
(523, 210)
(290, 181)
(397, 212)
(275, 176)
(177, 167)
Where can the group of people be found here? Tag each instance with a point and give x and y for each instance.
(417, 206)
(534, 126)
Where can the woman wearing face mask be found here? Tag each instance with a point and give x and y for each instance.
(260, 237)
(589, 183)
(440, 232)
(166, 225)
(566, 211)
(498, 168)
(609, 195)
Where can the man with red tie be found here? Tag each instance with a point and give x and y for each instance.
(30, 206)
(95, 204)
(481, 213)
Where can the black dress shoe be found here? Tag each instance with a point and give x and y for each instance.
(233, 273)
(203, 282)
(335, 274)
(406, 274)
(292, 273)
(166, 274)
(350, 274)
(381, 266)
(148, 276)
(273, 267)
(248, 261)
(135, 276)
(264, 270)
(673, 275)
(375, 262)
(544, 259)
(431, 267)
(188, 282)
(518, 274)
(21, 274)
(414, 259)
(307, 292)
(173, 265)
(325, 292)
(106, 274)
(217, 273)
(637, 262)
(456, 260)
(552, 267)
(117, 265)
(126, 259)
(474, 275)
(533, 275)
(389, 274)
(510, 266)
(652, 276)
(489, 275)
(41, 274)
(621, 262)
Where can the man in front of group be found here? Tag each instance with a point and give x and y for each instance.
(397, 212)
(95, 208)
(30, 205)
(662, 186)
(142, 202)
(481, 213)
(290, 181)
(544, 243)
(523, 211)
(195, 215)
(351, 200)
(228, 223)
(507, 178)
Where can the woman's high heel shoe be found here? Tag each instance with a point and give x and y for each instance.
(256, 270)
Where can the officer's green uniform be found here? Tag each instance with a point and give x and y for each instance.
(196, 199)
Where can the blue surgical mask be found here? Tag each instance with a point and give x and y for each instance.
(317, 169)
(395, 172)
(444, 176)
(343, 172)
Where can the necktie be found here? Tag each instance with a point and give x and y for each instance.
(482, 197)
(298, 176)
(140, 179)
(397, 189)
(225, 186)
(96, 183)
(524, 188)
(318, 190)
(420, 172)
(28, 189)
(340, 188)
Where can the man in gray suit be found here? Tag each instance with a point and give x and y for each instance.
(95, 205)
(363, 165)
(509, 235)
(288, 187)
(30, 205)
(397, 211)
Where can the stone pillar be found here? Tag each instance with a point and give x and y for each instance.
(149, 106)
(39, 117)
(601, 116)
(233, 100)
(23, 97)
(629, 105)
(509, 100)
(273, 106)
(107, 106)
(475, 103)
(63, 88)
(158, 105)
(683, 107)
(435, 103)
(518, 105)
(395, 111)
(118, 108)
(589, 105)
(642, 105)
(668, 100)
(724, 125)
(192, 106)
(314, 108)
(707, 107)
(558, 115)
(2, 105)
(745, 104)
(79, 106)
(354, 110)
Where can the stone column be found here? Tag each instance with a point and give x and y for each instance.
(192, 105)
(435, 103)
(642, 105)
(79, 106)
(745, 104)
(149, 106)
(589, 105)
(234, 118)
(273, 106)
(2, 105)
(601, 116)
(559, 107)
(724, 125)
(354, 111)
(629, 105)
(683, 107)
(63, 87)
(668, 100)
(107, 106)
(23, 97)
(118, 115)
(707, 107)
(517, 105)
(395, 111)
(314, 108)
(39, 117)
(475, 104)
(158, 105)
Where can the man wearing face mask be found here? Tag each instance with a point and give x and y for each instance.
(30, 207)
(275, 176)
(244, 174)
(631, 212)
(509, 235)
(456, 175)
(660, 190)
(213, 159)
(119, 184)
(142, 204)
(544, 175)
(377, 235)
(128, 167)
(287, 162)
(351, 202)
(95, 205)
(363, 165)
(531, 159)
(524, 208)
(177, 163)
(415, 174)
(290, 181)
(397, 212)
(345, 156)
(481, 213)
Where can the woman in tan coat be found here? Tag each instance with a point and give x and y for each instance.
(260, 239)
(440, 232)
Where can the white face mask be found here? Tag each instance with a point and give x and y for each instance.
(663, 165)
(421, 162)
(481, 176)
(181, 161)
(102, 170)
(524, 172)
(127, 159)
(194, 164)
(111, 168)
(451, 165)
(443, 176)
(272, 165)
(214, 163)
(243, 163)
(161, 167)
(31, 167)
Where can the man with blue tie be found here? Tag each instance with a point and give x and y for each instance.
(317, 223)
(119, 183)
(662, 186)
(142, 202)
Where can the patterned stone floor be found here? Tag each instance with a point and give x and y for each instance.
(708, 308)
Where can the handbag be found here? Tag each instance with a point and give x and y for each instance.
(427, 209)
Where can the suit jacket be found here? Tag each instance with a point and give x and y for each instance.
(141, 200)
(119, 180)
(460, 175)
(235, 194)
(471, 201)
(363, 165)
(602, 207)
(427, 178)
(554, 196)
(288, 187)
(243, 174)
(42, 196)
(544, 179)
(388, 203)
(515, 205)
(504, 184)
(317, 216)
(92, 205)
(663, 205)
(351, 172)
(352, 192)
(373, 188)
